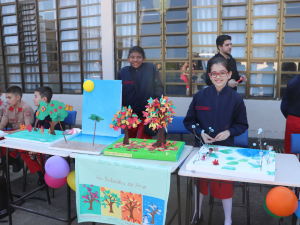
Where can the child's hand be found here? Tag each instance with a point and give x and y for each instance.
(222, 136)
(206, 138)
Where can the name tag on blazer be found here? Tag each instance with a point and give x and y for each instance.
(203, 108)
(128, 82)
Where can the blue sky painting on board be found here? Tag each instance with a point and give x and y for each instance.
(153, 210)
(104, 101)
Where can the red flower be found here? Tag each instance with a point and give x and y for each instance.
(215, 162)
(55, 110)
(59, 107)
(52, 104)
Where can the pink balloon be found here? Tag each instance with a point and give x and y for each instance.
(53, 182)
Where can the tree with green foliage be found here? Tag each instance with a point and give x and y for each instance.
(57, 113)
(41, 113)
(109, 199)
(95, 118)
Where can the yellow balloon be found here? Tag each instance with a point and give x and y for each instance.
(71, 180)
(88, 85)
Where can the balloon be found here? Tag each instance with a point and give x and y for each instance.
(268, 211)
(298, 211)
(281, 201)
(57, 167)
(71, 180)
(88, 85)
(55, 183)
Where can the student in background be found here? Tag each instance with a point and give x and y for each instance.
(224, 46)
(140, 81)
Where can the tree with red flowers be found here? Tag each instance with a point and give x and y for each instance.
(130, 204)
(90, 197)
(125, 119)
(159, 114)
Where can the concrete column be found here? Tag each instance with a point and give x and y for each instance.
(107, 29)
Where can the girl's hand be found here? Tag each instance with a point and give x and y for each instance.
(206, 138)
(222, 136)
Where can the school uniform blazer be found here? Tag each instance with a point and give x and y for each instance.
(149, 84)
(290, 104)
(17, 116)
(224, 110)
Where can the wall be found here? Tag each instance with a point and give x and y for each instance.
(263, 114)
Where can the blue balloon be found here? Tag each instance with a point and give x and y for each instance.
(298, 210)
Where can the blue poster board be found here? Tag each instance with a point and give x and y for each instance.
(104, 101)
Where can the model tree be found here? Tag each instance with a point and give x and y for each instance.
(96, 119)
(152, 211)
(57, 113)
(41, 113)
(159, 114)
(125, 119)
(90, 197)
(130, 204)
(109, 199)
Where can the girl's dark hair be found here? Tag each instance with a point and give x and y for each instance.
(218, 60)
(137, 49)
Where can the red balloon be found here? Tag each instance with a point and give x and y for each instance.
(53, 182)
(282, 201)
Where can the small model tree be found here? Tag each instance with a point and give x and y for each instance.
(41, 113)
(109, 199)
(96, 119)
(159, 114)
(57, 113)
(130, 204)
(152, 211)
(125, 119)
(90, 197)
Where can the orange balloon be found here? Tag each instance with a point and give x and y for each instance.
(282, 201)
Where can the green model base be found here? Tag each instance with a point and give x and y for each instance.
(36, 136)
(142, 149)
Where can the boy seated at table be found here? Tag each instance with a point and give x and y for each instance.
(17, 113)
(3, 105)
(222, 109)
(42, 94)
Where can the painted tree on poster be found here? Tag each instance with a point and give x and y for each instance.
(90, 197)
(152, 211)
(131, 204)
(109, 199)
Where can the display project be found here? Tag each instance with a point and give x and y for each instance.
(235, 162)
(57, 112)
(97, 112)
(144, 149)
(159, 114)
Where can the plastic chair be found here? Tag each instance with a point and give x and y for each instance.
(71, 118)
(295, 144)
(177, 127)
(241, 140)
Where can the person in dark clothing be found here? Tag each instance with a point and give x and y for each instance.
(224, 46)
(222, 109)
(42, 94)
(149, 85)
(290, 108)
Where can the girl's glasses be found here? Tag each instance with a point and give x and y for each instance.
(215, 74)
